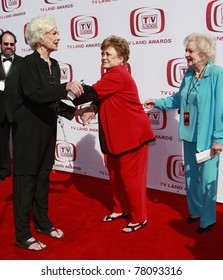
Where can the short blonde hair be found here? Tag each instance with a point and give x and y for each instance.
(119, 44)
(37, 28)
(205, 43)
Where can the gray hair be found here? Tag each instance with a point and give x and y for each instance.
(205, 43)
(37, 28)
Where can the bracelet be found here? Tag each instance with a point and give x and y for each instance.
(71, 95)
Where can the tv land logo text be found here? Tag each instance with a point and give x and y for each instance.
(176, 69)
(66, 73)
(65, 151)
(214, 16)
(158, 119)
(147, 21)
(84, 28)
(10, 5)
(175, 168)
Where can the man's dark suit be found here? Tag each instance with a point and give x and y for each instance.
(8, 103)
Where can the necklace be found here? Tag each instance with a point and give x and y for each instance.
(190, 88)
(192, 84)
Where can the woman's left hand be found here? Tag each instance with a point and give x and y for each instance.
(216, 148)
(86, 114)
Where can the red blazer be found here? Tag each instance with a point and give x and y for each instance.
(123, 124)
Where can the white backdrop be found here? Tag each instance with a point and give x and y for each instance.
(155, 30)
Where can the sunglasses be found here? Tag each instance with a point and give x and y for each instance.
(11, 44)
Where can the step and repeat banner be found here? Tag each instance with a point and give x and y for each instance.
(155, 31)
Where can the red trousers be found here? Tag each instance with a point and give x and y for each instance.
(128, 181)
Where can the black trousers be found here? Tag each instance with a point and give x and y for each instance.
(30, 196)
(5, 158)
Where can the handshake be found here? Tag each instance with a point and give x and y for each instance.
(80, 93)
(74, 89)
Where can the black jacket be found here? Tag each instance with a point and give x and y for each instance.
(35, 121)
(9, 97)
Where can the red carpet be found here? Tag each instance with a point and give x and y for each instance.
(77, 205)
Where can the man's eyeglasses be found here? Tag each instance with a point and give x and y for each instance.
(11, 44)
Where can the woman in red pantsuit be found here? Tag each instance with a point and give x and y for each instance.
(124, 132)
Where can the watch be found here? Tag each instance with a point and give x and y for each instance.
(71, 95)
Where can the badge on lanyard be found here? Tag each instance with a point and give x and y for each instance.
(186, 118)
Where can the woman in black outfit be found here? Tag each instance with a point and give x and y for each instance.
(35, 128)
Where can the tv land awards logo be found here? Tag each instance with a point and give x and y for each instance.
(158, 119)
(10, 5)
(176, 69)
(147, 21)
(24, 32)
(214, 16)
(66, 72)
(65, 151)
(84, 28)
(175, 168)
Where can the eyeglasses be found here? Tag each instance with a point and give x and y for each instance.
(11, 44)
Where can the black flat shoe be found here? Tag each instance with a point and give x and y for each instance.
(27, 244)
(110, 218)
(191, 220)
(201, 230)
(132, 228)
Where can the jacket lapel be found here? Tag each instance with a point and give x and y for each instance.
(2, 72)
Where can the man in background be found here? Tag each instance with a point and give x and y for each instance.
(9, 72)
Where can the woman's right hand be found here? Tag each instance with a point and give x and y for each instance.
(75, 87)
